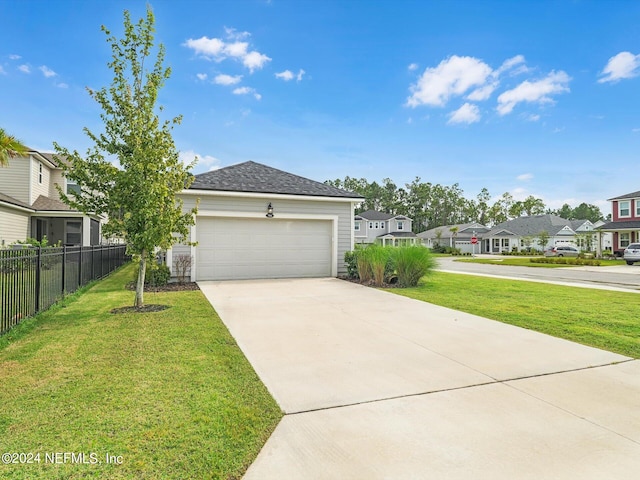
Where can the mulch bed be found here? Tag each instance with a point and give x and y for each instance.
(370, 283)
(169, 287)
(142, 309)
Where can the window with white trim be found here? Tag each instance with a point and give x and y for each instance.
(637, 202)
(624, 208)
(625, 239)
(40, 173)
(72, 187)
(505, 243)
(400, 226)
(370, 224)
(357, 226)
(377, 225)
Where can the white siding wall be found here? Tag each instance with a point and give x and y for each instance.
(37, 188)
(291, 206)
(56, 177)
(14, 225)
(14, 179)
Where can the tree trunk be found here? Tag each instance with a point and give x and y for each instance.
(140, 283)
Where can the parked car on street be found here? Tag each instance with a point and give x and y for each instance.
(632, 253)
(563, 251)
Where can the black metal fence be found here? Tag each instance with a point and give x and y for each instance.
(32, 279)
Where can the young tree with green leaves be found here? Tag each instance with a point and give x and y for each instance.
(10, 147)
(139, 196)
(543, 238)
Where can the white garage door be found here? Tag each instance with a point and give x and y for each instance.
(240, 248)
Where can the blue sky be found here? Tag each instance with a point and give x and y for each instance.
(534, 98)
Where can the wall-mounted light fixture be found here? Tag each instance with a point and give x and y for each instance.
(269, 210)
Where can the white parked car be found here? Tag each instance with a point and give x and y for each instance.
(632, 253)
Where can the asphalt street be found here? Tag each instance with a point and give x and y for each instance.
(619, 277)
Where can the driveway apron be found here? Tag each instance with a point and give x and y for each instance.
(376, 385)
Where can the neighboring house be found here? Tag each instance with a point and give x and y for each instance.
(255, 221)
(625, 224)
(459, 238)
(513, 234)
(30, 205)
(385, 228)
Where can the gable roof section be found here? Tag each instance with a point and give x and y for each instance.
(614, 226)
(532, 225)
(624, 197)
(374, 215)
(252, 177)
(463, 228)
(50, 204)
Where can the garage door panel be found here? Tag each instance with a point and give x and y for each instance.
(235, 248)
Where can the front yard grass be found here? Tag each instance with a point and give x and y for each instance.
(169, 393)
(599, 318)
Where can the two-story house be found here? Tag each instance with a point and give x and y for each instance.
(625, 224)
(30, 205)
(384, 228)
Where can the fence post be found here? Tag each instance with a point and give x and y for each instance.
(64, 267)
(80, 267)
(38, 268)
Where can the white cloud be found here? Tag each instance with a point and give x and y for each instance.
(412, 67)
(510, 63)
(534, 117)
(2, 72)
(247, 91)
(201, 76)
(24, 68)
(15, 57)
(46, 71)
(467, 113)
(635, 130)
(453, 76)
(62, 85)
(623, 65)
(218, 50)
(288, 75)
(223, 79)
(482, 93)
(188, 156)
(539, 91)
(525, 177)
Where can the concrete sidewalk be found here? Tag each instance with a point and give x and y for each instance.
(377, 385)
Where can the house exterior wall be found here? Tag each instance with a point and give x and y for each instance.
(39, 187)
(369, 233)
(14, 180)
(56, 178)
(14, 225)
(281, 205)
(634, 209)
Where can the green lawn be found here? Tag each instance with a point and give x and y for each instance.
(600, 318)
(169, 392)
(525, 262)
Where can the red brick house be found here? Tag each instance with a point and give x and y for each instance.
(625, 226)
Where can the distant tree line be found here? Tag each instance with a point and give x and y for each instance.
(433, 205)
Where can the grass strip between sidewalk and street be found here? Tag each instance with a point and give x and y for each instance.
(604, 319)
(166, 394)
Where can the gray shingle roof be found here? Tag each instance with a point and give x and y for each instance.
(398, 234)
(628, 195)
(13, 201)
(626, 225)
(252, 177)
(374, 215)
(49, 204)
(533, 225)
(465, 230)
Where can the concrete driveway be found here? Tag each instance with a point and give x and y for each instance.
(376, 385)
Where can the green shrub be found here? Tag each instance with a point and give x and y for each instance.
(362, 265)
(351, 262)
(157, 275)
(411, 263)
(378, 263)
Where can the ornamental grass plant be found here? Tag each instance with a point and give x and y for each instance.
(411, 263)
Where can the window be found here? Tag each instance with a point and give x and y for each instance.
(400, 225)
(624, 208)
(72, 187)
(370, 224)
(625, 239)
(377, 225)
(73, 235)
(637, 202)
(357, 226)
(505, 243)
(40, 173)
